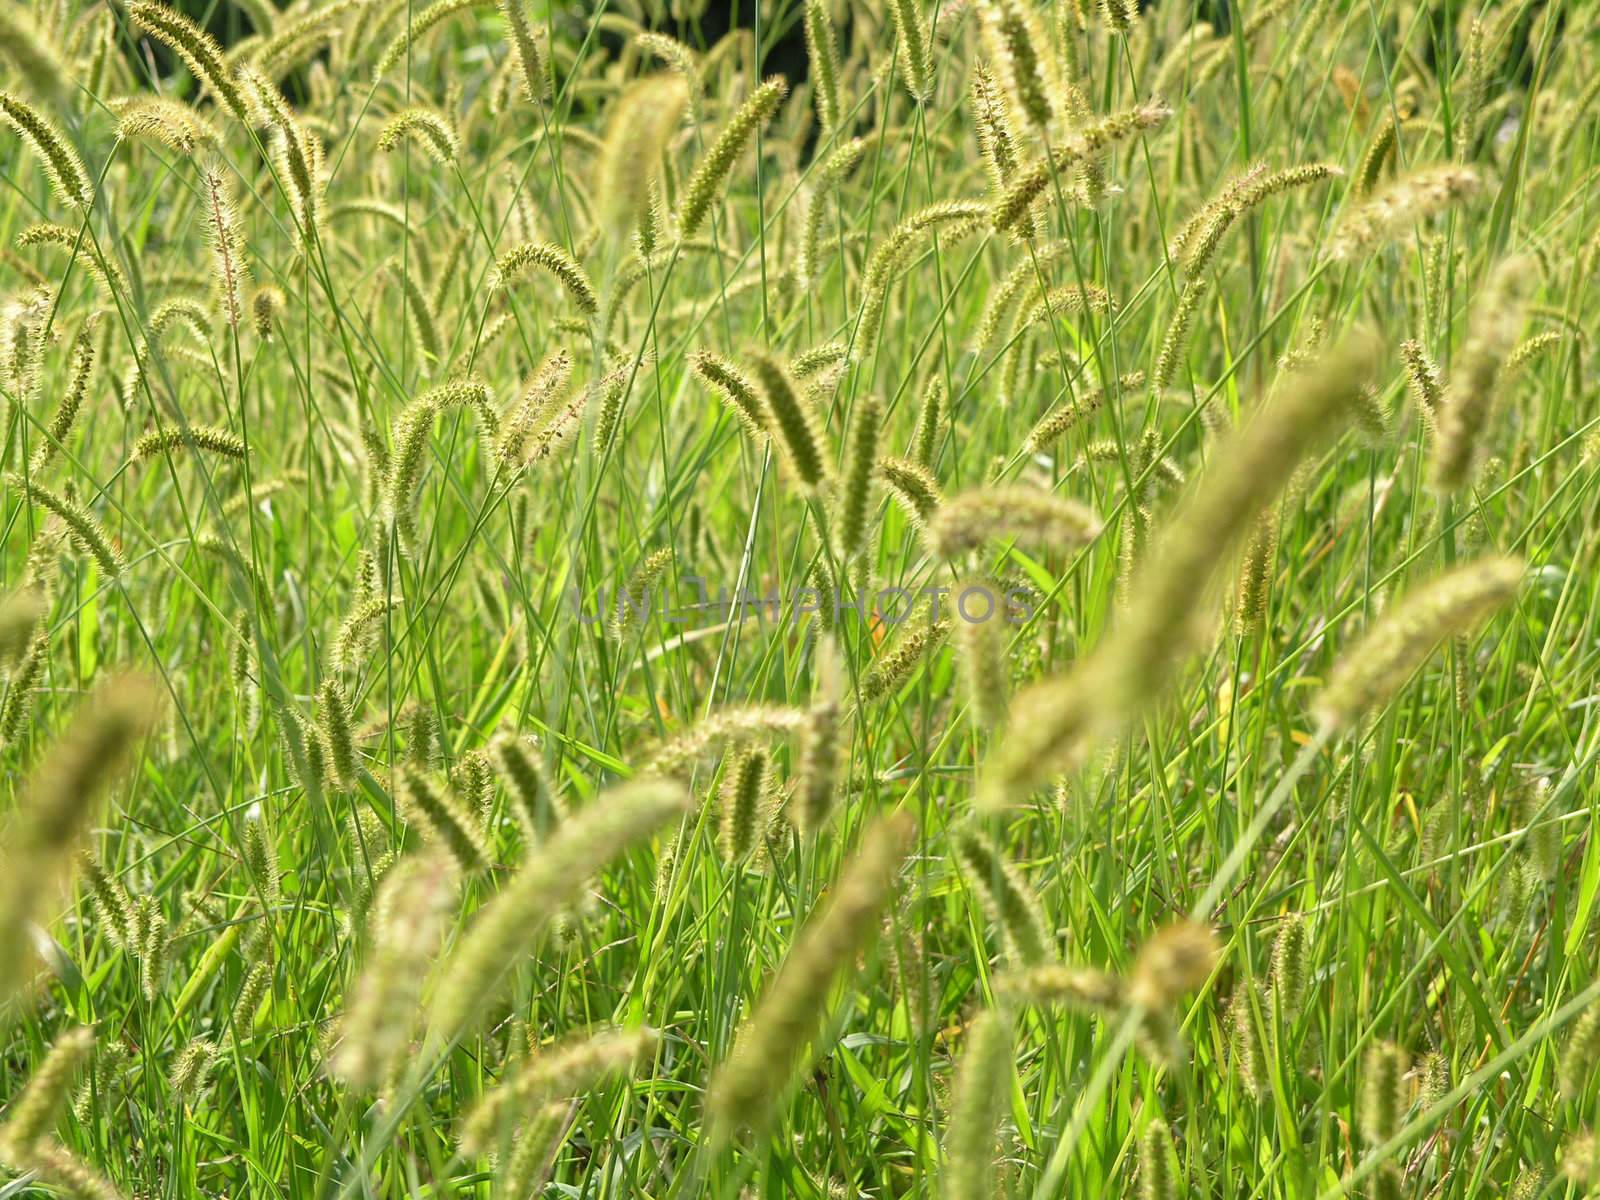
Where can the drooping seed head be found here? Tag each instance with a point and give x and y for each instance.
(713, 170)
(1453, 604)
(1008, 898)
(775, 1040)
(1033, 517)
(1177, 959)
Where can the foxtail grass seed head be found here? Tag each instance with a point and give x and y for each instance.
(517, 761)
(855, 486)
(477, 785)
(652, 230)
(445, 820)
(815, 360)
(1422, 382)
(1131, 667)
(744, 797)
(1072, 415)
(60, 428)
(984, 647)
(709, 177)
(820, 748)
(1177, 959)
(1581, 1056)
(197, 49)
(1119, 15)
(409, 916)
(416, 26)
(913, 487)
(537, 421)
(550, 880)
(230, 269)
(57, 803)
(1030, 184)
(337, 735)
(1539, 814)
(20, 688)
(552, 259)
(83, 528)
(735, 726)
(1384, 1092)
(1579, 1161)
(613, 392)
(792, 421)
(1247, 1053)
(1492, 330)
(930, 424)
(154, 946)
(1392, 210)
(524, 42)
(191, 1069)
(1175, 345)
(261, 861)
(21, 611)
(527, 1167)
(1529, 350)
(781, 1033)
(25, 43)
(1082, 989)
(69, 180)
(266, 310)
(979, 1101)
(915, 59)
(1197, 241)
(1160, 1175)
(1009, 900)
(1380, 149)
(895, 664)
(1453, 604)
(429, 129)
(31, 1116)
(1290, 973)
(1036, 519)
(1014, 39)
(112, 905)
(565, 1069)
(1257, 568)
(822, 49)
(733, 387)
(210, 438)
(947, 219)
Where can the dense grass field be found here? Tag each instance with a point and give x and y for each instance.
(1104, 508)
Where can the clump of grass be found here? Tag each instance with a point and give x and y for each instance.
(442, 869)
